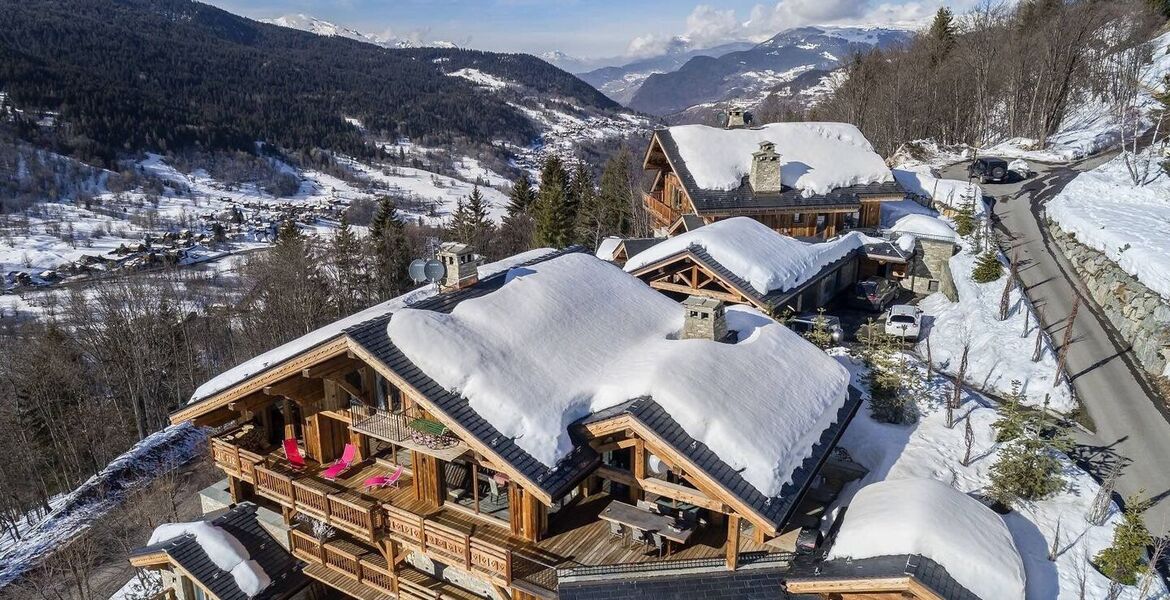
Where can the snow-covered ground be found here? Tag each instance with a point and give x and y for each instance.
(929, 450)
(142, 586)
(76, 511)
(1128, 223)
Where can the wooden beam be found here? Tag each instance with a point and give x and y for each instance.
(666, 286)
(152, 560)
(618, 445)
(297, 389)
(682, 493)
(250, 402)
(894, 585)
(338, 364)
(349, 388)
(215, 418)
(732, 541)
(617, 475)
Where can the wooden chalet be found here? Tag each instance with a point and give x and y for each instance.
(676, 201)
(474, 515)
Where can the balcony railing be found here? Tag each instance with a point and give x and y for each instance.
(233, 459)
(662, 213)
(450, 545)
(409, 430)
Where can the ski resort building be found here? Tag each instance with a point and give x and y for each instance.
(805, 180)
(549, 430)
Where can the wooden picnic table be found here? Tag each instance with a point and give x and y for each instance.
(644, 520)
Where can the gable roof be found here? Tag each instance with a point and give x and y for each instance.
(924, 570)
(742, 199)
(186, 553)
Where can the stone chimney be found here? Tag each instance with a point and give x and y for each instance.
(765, 175)
(705, 319)
(461, 263)
(736, 118)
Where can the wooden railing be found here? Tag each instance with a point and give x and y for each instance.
(404, 525)
(311, 497)
(342, 556)
(662, 213)
(354, 514)
(233, 459)
(305, 546)
(447, 543)
(491, 560)
(376, 573)
(274, 485)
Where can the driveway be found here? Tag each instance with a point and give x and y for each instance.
(1131, 426)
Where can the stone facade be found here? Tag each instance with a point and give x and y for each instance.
(1137, 312)
(765, 175)
(932, 273)
(705, 319)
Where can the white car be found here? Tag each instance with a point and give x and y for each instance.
(904, 321)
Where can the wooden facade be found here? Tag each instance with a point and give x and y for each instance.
(513, 542)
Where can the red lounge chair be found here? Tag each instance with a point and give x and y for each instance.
(342, 463)
(293, 453)
(382, 481)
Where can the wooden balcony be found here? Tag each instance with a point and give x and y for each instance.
(408, 431)
(229, 454)
(662, 214)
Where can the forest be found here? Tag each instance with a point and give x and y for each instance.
(173, 74)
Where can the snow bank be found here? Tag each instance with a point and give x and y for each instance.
(921, 516)
(553, 345)
(999, 354)
(282, 353)
(815, 157)
(222, 548)
(757, 254)
(1127, 223)
(949, 192)
(925, 226)
(480, 78)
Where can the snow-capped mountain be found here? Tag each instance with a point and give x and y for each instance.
(311, 24)
(794, 63)
(621, 83)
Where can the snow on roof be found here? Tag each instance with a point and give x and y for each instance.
(607, 246)
(815, 157)
(223, 549)
(927, 517)
(319, 336)
(574, 335)
(757, 254)
(950, 192)
(925, 226)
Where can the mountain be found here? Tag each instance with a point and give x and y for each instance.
(310, 24)
(794, 61)
(160, 75)
(621, 83)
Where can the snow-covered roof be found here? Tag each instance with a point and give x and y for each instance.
(755, 253)
(606, 248)
(929, 518)
(223, 549)
(277, 355)
(570, 336)
(816, 158)
(925, 226)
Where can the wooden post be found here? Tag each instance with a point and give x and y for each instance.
(639, 470)
(235, 489)
(428, 478)
(387, 547)
(475, 486)
(732, 542)
(290, 428)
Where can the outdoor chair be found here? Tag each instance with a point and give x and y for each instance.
(292, 452)
(656, 538)
(615, 529)
(383, 481)
(343, 463)
(494, 487)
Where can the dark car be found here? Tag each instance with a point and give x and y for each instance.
(875, 293)
(988, 169)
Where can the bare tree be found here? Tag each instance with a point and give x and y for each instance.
(968, 441)
(1103, 499)
(1008, 284)
(1038, 351)
(1054, 547)
(957, 396)
(1062, 360)
(1151, 574)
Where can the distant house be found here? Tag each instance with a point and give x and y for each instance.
(804, 180)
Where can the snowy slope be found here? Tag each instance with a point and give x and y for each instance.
(545, 350)
(322, 27)
(1129, 224)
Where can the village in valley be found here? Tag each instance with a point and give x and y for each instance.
(773, 349)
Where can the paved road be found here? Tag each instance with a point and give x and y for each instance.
(1131, 426)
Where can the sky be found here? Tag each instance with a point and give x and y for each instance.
(591, 28)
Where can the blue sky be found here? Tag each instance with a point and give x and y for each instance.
(589, 28)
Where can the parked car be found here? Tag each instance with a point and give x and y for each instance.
(875, 293)
(904, 321)
(807, 322)
(988, 169)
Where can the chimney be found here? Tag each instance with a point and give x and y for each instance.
(765, 175)
(705, 319)
(461, 264)
(736, 118)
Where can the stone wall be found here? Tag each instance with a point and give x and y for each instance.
(1138, 313)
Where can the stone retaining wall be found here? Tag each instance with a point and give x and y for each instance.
(1138, 313)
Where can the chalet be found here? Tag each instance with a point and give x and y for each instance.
(741, 261)
(549, 429)
(805, 180)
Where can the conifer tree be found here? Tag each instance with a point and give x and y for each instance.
(521, 199)
(390, 251)
(346, 259)
(1012, 420)
(1123, 560)
(987, 267)
(1028, 467)
(518, 225)
(582, 194)
(942, 34)
(965, 218)
(554, 224)
(609, 214)
(470, 224)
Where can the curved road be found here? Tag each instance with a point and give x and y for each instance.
(1132, 427)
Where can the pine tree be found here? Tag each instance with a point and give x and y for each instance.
(521, 199)
(1013, 420)
(390, 251)
(942, 34)
(965, 218)
(1028, 467)
(554, 224)
(1123, 560)
(609, 212)
(987, 267)
(470, 224)
(346, 259)
(581, 197)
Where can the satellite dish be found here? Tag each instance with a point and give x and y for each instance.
(417, 270)
(434, 270)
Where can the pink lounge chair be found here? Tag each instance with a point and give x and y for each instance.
(382, 481)
(293, 453)
(342, 463)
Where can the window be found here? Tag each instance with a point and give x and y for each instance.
(797, 219)
(932, 285)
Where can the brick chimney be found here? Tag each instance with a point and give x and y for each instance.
(461, 263)
(765, 175)
(705, 319)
